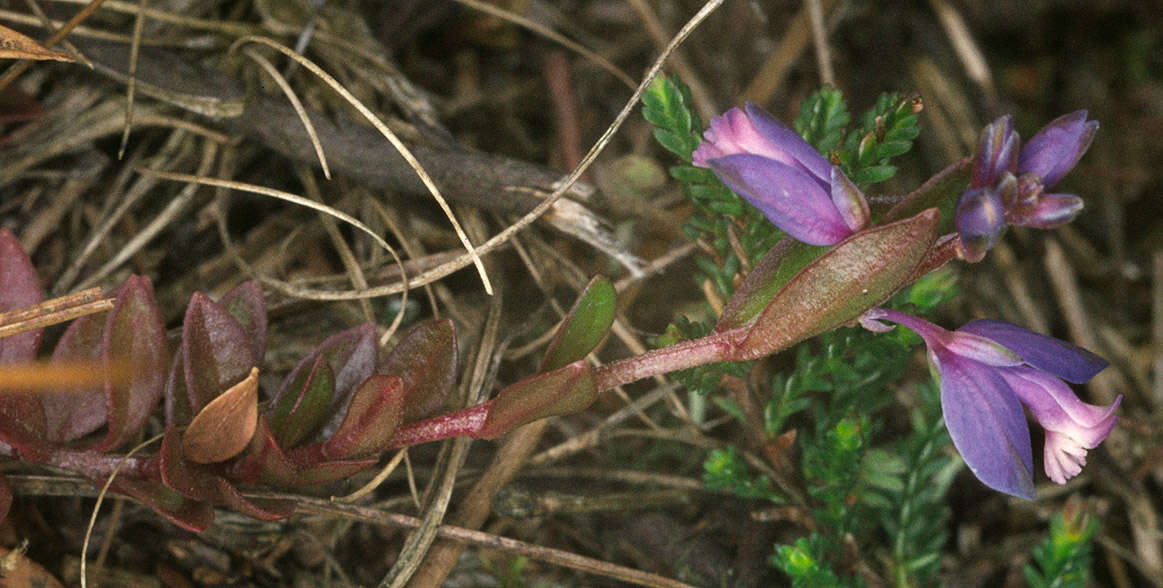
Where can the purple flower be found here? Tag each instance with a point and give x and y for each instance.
(1016, 181)
(988, 370)
(779, 173)
(1056, 148)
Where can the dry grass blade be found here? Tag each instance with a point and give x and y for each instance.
(51, 312)
(101, 498)
(271, 192)
(389, 135)
(297, 104)
(375, 481)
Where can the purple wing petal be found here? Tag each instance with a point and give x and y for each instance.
(788, 197)
(802, 155)
(987, 425)
(1057, 147)
(1065, 360)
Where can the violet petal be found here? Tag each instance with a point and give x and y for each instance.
(1055, 149)
(788, 197)
(987, 425)
(1065, 360)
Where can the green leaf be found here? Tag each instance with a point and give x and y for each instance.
(425, 361)
(584, 326)
(295, 416)
(860, 272)
(565, 390)
(823, 116)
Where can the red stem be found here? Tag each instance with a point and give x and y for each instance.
(467, 422)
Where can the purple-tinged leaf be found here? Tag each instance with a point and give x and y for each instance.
(584, 327)
(191, 515)
(19, 286)
(133, 331)
(313, 471)
(183, 476)
(295, 417)
(566, 390)
(225, 426)
(264, 462)
(175, 399)
(216, 351)
(14, 432)
(782, 262)
(840, 285)
(352, 356)
(245, 303)
(263, 509)
(373, 416)
(72, 413)
(425, 361)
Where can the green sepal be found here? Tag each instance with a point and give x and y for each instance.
(860, 272)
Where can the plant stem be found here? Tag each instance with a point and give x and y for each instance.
(466, 422)
(720, 346)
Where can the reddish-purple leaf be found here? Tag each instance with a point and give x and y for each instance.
(183, 476)
(75, 412)
(295, 417)
(263, 509)
(565, 390)
(425, 361)
(263, 462)
(372, 418)
(245, 303)
(192, 515)
(352, 357)
(134, 331)
(330, 471)
(19, 287)
(225, 426)
(216, 351)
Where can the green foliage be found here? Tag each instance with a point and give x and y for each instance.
(887, 130)
(735, 232)
(666, 104)
(823, 117)
(832, 469)
(724, 470)
(1064, 557)
(917, 516)
(805, 564)
(702, 379)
